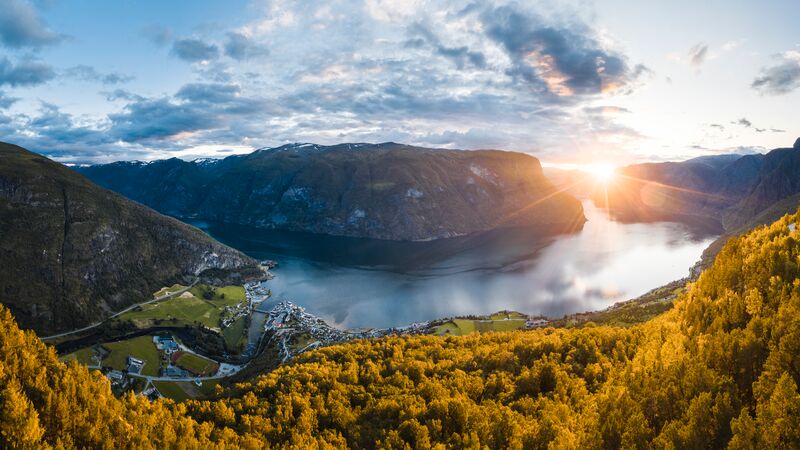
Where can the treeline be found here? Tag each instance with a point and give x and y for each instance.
(720, 369)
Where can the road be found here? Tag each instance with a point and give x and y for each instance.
(152, 378)
(130, 308)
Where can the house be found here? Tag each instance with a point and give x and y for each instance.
(175, 372)
(536, 323)
(165, 344)
(151, 393)
(134, 364)
(169, 346)
(115, 376)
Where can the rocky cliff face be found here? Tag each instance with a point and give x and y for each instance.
(383, 191)
(71, 252)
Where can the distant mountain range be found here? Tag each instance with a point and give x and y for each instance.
(382, 191)
(738, 191)
(71, 252)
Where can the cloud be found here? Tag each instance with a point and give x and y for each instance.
(158, 35)
(25, 73)
(429, 76)
(195, 107)
(781, 78)
(121, 94)
(608, 109)
(461, 56)
(240, 47)
(6, 101)
(208, 93)
(557, 59)
(698, 54)
(21, 27)
(746, 123)
(159, 119)
(194, 50)
(88, 73)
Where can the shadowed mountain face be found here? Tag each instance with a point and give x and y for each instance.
(734, 189)
(383, 191)
(72, 252)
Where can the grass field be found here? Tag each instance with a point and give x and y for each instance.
(171, 389)
(188, 308)
(195, 364)
(461, 327)
(220, 296)
(82, 356)
(507, 315)
(141, 347)
(235, 334)
(183, 390)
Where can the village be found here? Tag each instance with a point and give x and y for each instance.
(295, 331)
(160, 364)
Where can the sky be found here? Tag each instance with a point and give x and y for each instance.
(570, 82)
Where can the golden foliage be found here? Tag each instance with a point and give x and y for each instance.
(720, 369)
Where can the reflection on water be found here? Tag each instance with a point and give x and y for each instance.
(370, 283)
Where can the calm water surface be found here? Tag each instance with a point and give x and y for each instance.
(369, 283)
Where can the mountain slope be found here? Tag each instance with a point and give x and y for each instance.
(72, 252)
(732, 189)
(384, 191)
(778, 179)
(719, 370)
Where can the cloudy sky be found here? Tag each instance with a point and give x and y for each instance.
(570, 82)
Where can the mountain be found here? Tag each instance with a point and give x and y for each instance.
(382, 191)
(73, 252)
(718, 370)
(778, 178)
(733, 189)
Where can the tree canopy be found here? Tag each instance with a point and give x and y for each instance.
(720, 369)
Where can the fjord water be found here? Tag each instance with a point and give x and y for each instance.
(369, 283)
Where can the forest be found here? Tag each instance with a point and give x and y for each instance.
(719, 369)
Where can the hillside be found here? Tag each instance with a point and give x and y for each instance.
(732, 189)
(383, 191)
(73, 252)
(717, 370)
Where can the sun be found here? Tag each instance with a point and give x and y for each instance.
(601, 172)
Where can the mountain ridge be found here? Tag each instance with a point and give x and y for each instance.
(383, 191)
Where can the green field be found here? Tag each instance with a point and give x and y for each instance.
(234, 335)
(507, 315)
(220, 296)
(461, 327)
(171, 389)
(188, 308)
(183, 390)
(141, 347)
(196, 364)
(83, 356)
